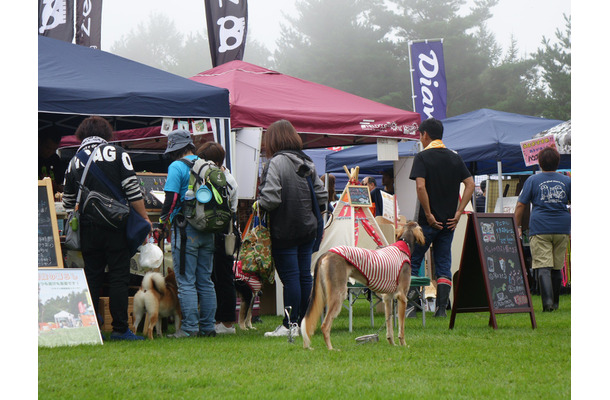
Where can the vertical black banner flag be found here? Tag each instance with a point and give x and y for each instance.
(89, 23)
(227, 22)
(56, 19)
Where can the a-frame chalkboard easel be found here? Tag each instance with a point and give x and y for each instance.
(492, 274)
(49, 248)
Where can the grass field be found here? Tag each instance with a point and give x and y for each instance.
(472, 361)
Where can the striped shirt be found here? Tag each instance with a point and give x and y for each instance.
(380, 267)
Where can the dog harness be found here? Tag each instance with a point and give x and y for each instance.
(251, 280)
(380, 267)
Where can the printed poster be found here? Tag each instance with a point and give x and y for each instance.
(388, 206)
(66, 316)
(531, 148)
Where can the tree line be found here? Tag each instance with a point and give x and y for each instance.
(360, 46)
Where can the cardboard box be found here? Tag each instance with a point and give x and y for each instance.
(105, 311)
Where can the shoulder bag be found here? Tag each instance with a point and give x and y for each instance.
(137, 228)
(104, 210)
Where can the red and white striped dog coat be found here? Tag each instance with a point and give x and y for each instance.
(380, 267)
(252, 280)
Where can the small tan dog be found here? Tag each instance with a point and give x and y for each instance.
(386, 270)
(158, 298)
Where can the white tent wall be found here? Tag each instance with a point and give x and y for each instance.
(405, 189)
(247, 154)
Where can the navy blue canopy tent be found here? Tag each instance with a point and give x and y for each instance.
(483, 138)
(75, 82)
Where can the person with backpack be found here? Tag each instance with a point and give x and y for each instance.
(222, 274)
(192, 249)
(286, 194)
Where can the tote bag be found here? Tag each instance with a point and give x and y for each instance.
(255, 251)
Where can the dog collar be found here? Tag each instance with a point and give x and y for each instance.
(403, 246)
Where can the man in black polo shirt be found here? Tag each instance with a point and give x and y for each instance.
(438, 172)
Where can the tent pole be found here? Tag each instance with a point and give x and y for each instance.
(329, 200)
(500, 188)
(411, 72)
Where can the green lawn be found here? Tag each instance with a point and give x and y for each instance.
(472, 361)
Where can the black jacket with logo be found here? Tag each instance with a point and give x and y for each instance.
(116, 165)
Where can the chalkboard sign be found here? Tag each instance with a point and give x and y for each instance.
(492, 274)
(49, 250)
(150, 183)
(359, 196)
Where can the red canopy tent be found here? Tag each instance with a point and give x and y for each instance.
(323, 116)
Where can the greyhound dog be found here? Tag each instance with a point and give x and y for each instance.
(386, 270)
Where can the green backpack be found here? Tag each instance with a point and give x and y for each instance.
(212, 211)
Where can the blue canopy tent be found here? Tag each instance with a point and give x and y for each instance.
(318, 157)
(486, 139)
(75, 82)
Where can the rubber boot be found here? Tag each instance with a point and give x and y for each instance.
(556, 279)
(546, 288)
(443, 288)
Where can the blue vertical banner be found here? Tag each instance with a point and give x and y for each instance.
(227, 22)
(428, 80)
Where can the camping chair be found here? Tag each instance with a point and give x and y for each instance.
(354, 291)
(421, 282)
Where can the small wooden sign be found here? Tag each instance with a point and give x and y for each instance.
(492, 274)
(49, 248)
(359, 196)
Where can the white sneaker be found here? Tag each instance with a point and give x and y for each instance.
(283, 331)
(222, 329)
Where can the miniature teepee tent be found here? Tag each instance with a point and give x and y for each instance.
(352, 223)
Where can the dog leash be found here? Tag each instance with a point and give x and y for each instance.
(291, 325)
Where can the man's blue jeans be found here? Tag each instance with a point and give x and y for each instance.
(293, 265)
(195, 288)
(441, 250)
